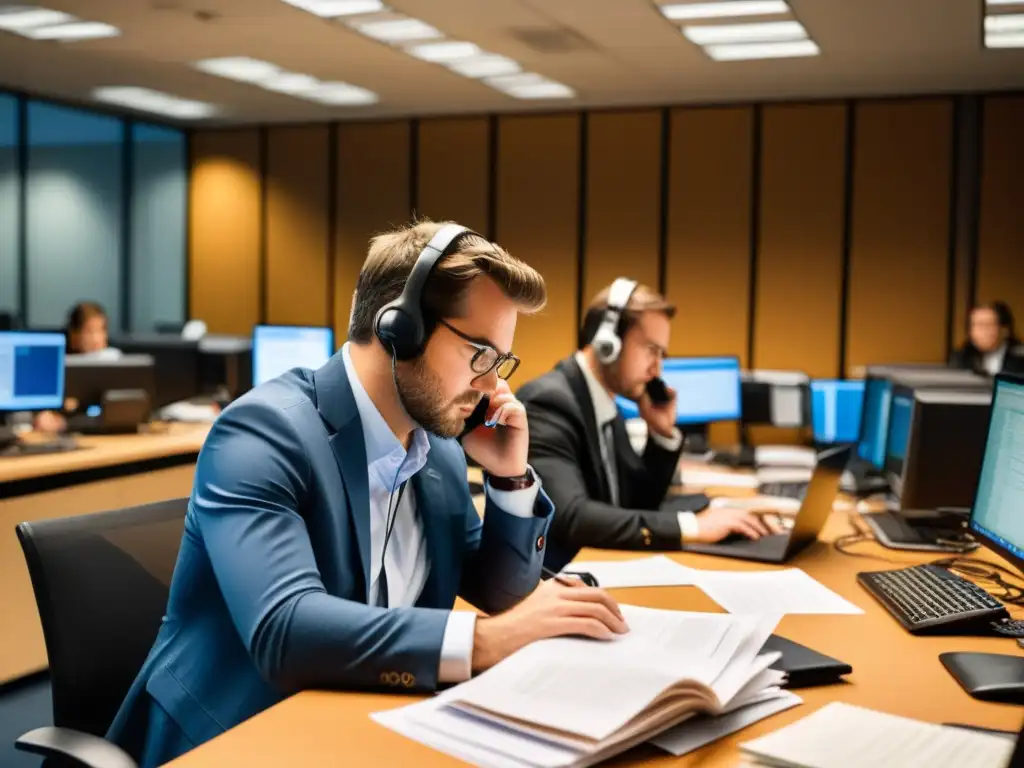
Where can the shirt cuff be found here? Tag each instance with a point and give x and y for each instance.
(518, 503)
(688, 526)
(457, 648)
(669, 443)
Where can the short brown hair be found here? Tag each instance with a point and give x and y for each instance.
(644, 299)
(391, 259)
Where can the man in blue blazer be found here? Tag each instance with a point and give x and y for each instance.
(305, 565)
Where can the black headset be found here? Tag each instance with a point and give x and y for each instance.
(399, 325)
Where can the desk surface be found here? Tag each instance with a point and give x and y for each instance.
(98, 452)
(893, 671)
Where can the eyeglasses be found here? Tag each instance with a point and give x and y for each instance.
(486, 359)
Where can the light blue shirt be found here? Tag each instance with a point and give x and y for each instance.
(388, 466)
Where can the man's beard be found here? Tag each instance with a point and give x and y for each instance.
(419, 390)
(613, 381)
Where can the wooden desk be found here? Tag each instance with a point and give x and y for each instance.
(893, 671)
(112, 472)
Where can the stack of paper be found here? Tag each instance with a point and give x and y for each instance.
(654, 571)
(784, 456)
(574, 702)
(844, 736)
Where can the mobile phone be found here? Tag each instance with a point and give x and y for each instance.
(657, 391)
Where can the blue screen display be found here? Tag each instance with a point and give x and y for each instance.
(31, 371)
(836, 407)
(279, 348)
(707, 389)
(875, 421)
(899, 426)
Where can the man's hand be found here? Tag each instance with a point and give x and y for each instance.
(49, 422)
(501, 449)
(660, 417)
(719, 522)
(554, 609)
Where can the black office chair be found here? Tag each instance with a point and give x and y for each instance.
(101, 583)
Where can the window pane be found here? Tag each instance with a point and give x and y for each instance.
(159, 191)
(8, 204)
(74, 212)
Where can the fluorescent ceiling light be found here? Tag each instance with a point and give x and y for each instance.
(548, 90)
(486, 65)
(1005, 40)
(516, 81)
(76, 30)
(291, 83)
(746, 51)
(769, 31)
(332, 9)
(342, 94)
(147, 100)
(21, 17)
(1007, 22)
(449, 50)
(713, 10)
(402, 30)
(240, 68)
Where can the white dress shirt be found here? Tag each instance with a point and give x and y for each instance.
(389, 465)
(992, 361)
(605, 411)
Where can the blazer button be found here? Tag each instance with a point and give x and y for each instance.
(646, 533)
(540, 543)
(408, 680)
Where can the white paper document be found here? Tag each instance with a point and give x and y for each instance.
(785, 456)
(569, 701)
(844, 736)
(780, 504)
(655, 571)
(710, 478)
(700, 731)
(789, 590)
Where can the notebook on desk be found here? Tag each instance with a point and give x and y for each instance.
(804, 667)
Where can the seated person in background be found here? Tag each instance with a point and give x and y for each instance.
(87, 334)
(285, 580)
(992, 345)
(605, 495)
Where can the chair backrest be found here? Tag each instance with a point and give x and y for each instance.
(101, 583)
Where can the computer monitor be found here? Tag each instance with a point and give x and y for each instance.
(176, 361)
(707, 388)
(89, 378)
(31, 371)
(279, 348)
(935, 446)
(871, 443)
(777, 398)
(836, 406)
(996, 517)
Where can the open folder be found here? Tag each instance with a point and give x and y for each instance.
(574, 702)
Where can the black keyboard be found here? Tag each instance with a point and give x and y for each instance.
(788, 490)
(61, 445)
(927, 599)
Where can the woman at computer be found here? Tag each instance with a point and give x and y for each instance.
(992, 344)
(87, 334)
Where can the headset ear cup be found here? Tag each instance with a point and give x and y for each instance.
(607, 348)
(398, 332)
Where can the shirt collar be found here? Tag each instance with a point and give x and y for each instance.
(605, 409)
(386, 459)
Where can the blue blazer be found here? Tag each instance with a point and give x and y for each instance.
(269, 593)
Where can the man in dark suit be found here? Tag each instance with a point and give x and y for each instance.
(285, 579)
(606, 495)
(992, 344)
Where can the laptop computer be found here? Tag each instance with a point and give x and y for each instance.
(807, 524)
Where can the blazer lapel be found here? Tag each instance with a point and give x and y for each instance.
(581, 395)
(337, 406)
(437, 519)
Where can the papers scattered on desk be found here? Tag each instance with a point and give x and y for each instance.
(656, 571)
(575, 702)
(710, 478)
(693, 734)
(789, 590)
(844, 736)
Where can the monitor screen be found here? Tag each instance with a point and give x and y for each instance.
(875, 421)
(900, 412)
(1000, 496)
(31, 371)
(279, 348)
(707, 388)
(627, 407)
(835, 410)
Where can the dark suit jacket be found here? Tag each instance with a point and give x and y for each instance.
(969, 358)
(565, 452)
(269, 594)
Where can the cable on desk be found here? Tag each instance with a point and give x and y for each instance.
(860, 535)
(976, 570)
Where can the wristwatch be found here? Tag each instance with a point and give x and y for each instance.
(516, 483)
